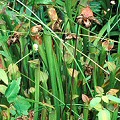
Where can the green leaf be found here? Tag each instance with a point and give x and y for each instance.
(113, 98)
(52, 115)
(111, 66)
(68, 58)
(95, 101)
(98, 107)
(105, 99)
(104, 115)
(12, 91)
(99, 90)
(75, 96)
(96, 7)
(13, 112)
(43, 1)
(21, 105)
(3, 53)
(3, 89)
(3, 76)
(3, 39)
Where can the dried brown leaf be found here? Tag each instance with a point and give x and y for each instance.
(70, 70)
(36, 29)
(87, 12)
(37, 38)
(13, 39)
(113, 91)
(52, 14)
(107, 45)
(85, 98)
(56, 26)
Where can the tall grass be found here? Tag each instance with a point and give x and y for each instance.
(75, 78)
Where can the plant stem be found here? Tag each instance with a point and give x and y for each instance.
(85, 112)
(37, 91)
(51, 67)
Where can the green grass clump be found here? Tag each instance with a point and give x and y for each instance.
(59, 60)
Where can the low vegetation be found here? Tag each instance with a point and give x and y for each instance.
(59, 59)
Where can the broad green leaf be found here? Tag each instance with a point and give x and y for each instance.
(13, 112)
(3, 89)
(21, 105)
(111, 66)
(98, 107)
(105, 99)
(95, 101)
(104, 115)
(113, 98)
(3, 76)
(12, 90)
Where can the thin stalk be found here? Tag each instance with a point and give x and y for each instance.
(85, 51)
(42, 52)
(44, 114)
(85, 42)
(74, 66)
(37, 90)
(112, 80)
(24, 62)
(85, 39)
(85, 112)
(46, 99)
(51, 67)
(59, 79)
(95, 77)
(103, 55)
(68, 5)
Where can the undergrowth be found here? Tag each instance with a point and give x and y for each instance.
(59, 60)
